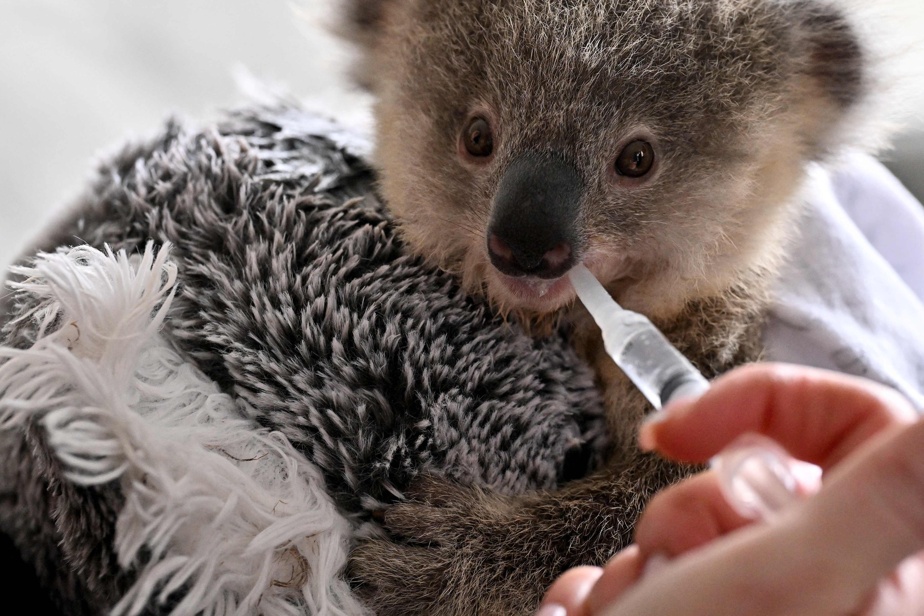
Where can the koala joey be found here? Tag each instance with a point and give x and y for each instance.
(660, 142)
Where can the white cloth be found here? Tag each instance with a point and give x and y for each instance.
(852, 296)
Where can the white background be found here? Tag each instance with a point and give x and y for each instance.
(76, 78)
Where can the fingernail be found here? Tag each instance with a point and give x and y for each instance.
(552, 609)
(659, 415)
(656, 416)
(646, 432)
(674, 407)
(646, 437)
(654, 563)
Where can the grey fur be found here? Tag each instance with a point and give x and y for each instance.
(297, 297)
(736, 96)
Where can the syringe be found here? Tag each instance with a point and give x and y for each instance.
(758, 477)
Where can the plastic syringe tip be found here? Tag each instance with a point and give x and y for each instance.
(591, 293)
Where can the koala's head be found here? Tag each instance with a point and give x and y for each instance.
(658, 141)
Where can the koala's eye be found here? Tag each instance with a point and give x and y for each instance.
(478, 138)
(635, 160)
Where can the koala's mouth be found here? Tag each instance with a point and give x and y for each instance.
(535, 291)
(543, 295)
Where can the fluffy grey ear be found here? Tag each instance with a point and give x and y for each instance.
(364, 18)
(368, 13)
(362, 23)
(835, 57)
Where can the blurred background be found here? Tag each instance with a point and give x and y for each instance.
(77, 78)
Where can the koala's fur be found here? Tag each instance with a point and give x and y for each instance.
(736, 96)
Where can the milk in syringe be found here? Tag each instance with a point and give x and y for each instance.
(651, 362)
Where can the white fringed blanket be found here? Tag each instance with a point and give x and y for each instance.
(225, 510)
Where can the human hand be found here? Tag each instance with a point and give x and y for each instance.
(844, 551)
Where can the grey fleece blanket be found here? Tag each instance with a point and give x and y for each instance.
(294, 296)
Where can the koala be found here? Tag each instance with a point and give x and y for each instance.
(661, 143)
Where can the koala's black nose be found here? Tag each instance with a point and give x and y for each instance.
(533, 228)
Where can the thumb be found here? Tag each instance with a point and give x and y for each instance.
(870, 512)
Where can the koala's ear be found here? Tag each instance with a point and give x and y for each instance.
(833, 54)
(362, 24)
(364, 18)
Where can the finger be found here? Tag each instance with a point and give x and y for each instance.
(817, 415)
(570, 591)
(619, 574)
(686, 516)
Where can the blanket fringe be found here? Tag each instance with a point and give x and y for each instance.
(230, 517)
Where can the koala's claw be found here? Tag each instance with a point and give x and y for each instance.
(393, 578)
(439, 556)
(436, 511)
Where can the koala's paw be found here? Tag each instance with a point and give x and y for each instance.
(449, 550)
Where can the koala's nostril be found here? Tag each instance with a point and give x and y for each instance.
(559, 256)
(555, 262)
(510, 260)
(499, 248)
(503, 257)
